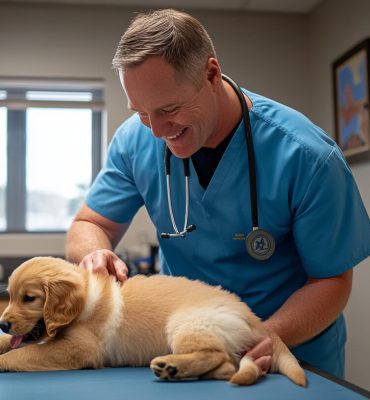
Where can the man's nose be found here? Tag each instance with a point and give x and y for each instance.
(5, 326)
(159, 125)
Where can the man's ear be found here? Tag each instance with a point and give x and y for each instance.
(213, 71)
(63, 303)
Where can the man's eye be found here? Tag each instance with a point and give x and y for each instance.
(28, 299)
(171, 110)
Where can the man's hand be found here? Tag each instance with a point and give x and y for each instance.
(261, 354)
(105, 262)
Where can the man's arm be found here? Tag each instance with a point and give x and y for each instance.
(90, 241)
(311, 309)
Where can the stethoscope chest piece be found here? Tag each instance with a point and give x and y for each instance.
(260, 244)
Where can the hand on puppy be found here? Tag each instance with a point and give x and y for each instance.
(261, 354)
(105, 261)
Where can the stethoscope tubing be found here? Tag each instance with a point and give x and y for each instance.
(250, 150)
(187, 228)
(251, 162)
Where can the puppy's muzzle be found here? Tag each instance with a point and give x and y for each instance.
(5, 326)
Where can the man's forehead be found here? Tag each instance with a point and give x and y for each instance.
(159, 106)
(156, 99)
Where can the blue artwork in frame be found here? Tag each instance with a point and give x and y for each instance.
(351, 99)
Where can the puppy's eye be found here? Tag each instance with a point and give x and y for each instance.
(28, 299)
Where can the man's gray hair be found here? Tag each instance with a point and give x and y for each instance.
(176, 36)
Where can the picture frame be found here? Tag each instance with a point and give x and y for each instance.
(351, 99)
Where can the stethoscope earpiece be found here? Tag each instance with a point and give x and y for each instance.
(260, 243)
(191, 228)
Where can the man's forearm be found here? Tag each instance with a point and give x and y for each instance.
(311, 309)
(83, 238)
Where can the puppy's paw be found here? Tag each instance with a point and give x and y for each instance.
(163, 369)
(5, 343)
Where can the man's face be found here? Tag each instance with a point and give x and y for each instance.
(181, 113)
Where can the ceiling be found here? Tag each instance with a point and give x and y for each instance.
(287, 6)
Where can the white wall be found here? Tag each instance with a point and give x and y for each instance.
(334, 27)
(286, 57)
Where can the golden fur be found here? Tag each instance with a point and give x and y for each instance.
(181, 328)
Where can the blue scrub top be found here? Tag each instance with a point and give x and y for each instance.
(307, 199)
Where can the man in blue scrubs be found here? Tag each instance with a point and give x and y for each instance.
(307, 197)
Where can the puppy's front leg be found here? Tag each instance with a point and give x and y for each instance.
(5, 343)
(67, 353)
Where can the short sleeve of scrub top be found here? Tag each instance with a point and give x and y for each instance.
(114, 193)
(331, 223)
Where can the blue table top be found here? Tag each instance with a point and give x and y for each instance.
(140, 383)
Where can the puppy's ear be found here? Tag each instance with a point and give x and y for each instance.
(64, 302)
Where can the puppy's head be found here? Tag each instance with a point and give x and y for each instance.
(45, 294)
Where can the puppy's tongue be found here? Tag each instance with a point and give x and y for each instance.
(16, 341)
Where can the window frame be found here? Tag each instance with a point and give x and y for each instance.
(16, 105)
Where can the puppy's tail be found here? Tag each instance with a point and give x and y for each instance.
(283, 362)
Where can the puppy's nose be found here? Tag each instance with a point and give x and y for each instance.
(5, 326)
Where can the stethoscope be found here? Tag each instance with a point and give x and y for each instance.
(260, 243)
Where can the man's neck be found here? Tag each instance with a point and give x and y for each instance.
(229, 115)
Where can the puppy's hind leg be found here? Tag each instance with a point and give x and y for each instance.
(248, 372)
(195, 354)
(224, 372)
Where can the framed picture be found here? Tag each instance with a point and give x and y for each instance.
(351, 99)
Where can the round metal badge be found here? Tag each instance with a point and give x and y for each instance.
(260, 244)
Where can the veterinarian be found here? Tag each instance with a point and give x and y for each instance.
(309, 208)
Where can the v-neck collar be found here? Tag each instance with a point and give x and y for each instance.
(227, 163)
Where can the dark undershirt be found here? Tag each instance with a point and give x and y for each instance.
(206, 159)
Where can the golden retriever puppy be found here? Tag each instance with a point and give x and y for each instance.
(61, 317)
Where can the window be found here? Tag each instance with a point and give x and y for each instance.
(58, 166)
(49, 154)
